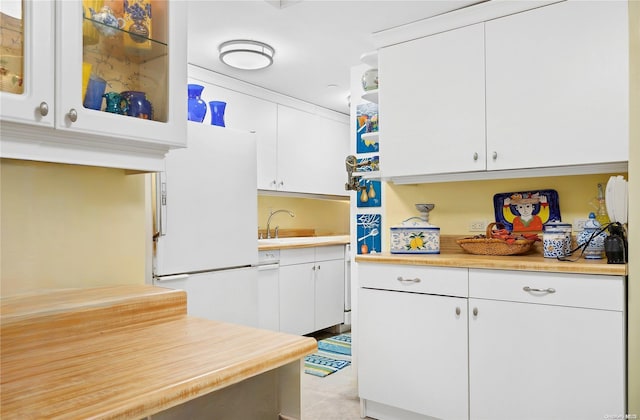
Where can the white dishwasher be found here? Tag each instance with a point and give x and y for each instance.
(269, 290)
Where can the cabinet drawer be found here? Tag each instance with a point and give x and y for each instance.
(579, 290)
(405, 278)
(326, 253)
(297, 256)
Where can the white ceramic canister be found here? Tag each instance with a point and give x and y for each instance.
(556, 239)
(415, 236)
(370, 79)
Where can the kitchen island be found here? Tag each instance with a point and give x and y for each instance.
(132, 352)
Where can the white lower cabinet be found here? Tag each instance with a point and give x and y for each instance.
(311, 288)
(532, 357)
(412, 357)
(529, 345)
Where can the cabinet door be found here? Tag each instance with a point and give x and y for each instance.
(544, 362)
(297, 288)
(413, 352)
(432, 112)
(27, 60)
(156, 66)
(329, 293)
(558, 86)
(248, 113)
(226, 295)
(311, 152)
(327, 175)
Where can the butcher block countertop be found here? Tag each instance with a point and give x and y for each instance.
(124, 352)
(451, 255)
(302, 242)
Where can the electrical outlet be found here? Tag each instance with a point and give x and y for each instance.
(578, 224)
(478, 226)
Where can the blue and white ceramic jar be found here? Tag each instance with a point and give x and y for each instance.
(556, 239)
(593, 237)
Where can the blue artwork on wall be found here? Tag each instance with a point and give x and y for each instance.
(368, 233)
(371, 193)
(367, 128)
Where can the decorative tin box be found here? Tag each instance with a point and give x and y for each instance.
(415, 235)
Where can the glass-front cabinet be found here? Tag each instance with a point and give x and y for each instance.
(119, 72)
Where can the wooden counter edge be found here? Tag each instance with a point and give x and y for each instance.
(520, 263)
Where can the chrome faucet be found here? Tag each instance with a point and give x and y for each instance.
(269, 221)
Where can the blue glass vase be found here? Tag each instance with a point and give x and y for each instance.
(217, 112)
(196, 106)
(138, 104)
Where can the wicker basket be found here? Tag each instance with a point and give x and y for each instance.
(493, 246)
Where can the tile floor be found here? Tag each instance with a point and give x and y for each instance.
(334, 397)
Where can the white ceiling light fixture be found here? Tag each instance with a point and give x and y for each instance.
(246, 55)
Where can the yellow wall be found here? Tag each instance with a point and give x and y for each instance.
(457, 204)
(327, 217)
(69, 226)
(633, 287)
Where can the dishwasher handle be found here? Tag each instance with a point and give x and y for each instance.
(265, 267)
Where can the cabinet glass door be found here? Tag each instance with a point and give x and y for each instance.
(121, 69)
(26, 62)
(125, 58)
(12, 51)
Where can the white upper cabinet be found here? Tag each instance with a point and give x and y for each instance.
(248, 113)
(311, 152)
(63, 127)
(27, 56)
(301, 147)
(558, 86)
(432, 104)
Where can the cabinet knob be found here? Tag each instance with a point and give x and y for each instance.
(274, 182)
(475, 311)
(495, 155)
(458, 310)
(72, 115)
(281, 183)
(44, 108)
(318, 267)
(475, 156)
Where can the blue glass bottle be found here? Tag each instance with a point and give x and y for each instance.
(196, 106)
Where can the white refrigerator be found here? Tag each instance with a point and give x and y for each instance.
(205, 224)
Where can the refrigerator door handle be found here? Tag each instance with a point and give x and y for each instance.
(161, 204)
(174, 277)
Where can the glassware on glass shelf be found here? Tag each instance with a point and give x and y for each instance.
(137, 18)
(138, 105)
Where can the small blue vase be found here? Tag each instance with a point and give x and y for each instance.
(217, 112)
(139, 106)
(197, 107)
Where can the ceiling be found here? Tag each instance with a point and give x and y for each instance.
(316, 41)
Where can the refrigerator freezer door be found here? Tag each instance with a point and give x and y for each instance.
(209, 294)
(208, 203)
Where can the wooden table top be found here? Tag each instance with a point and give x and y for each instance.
(101, 360)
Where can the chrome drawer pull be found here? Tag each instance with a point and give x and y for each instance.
(531, 289)
(403, 280)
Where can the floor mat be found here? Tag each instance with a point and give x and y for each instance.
(333, 354)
